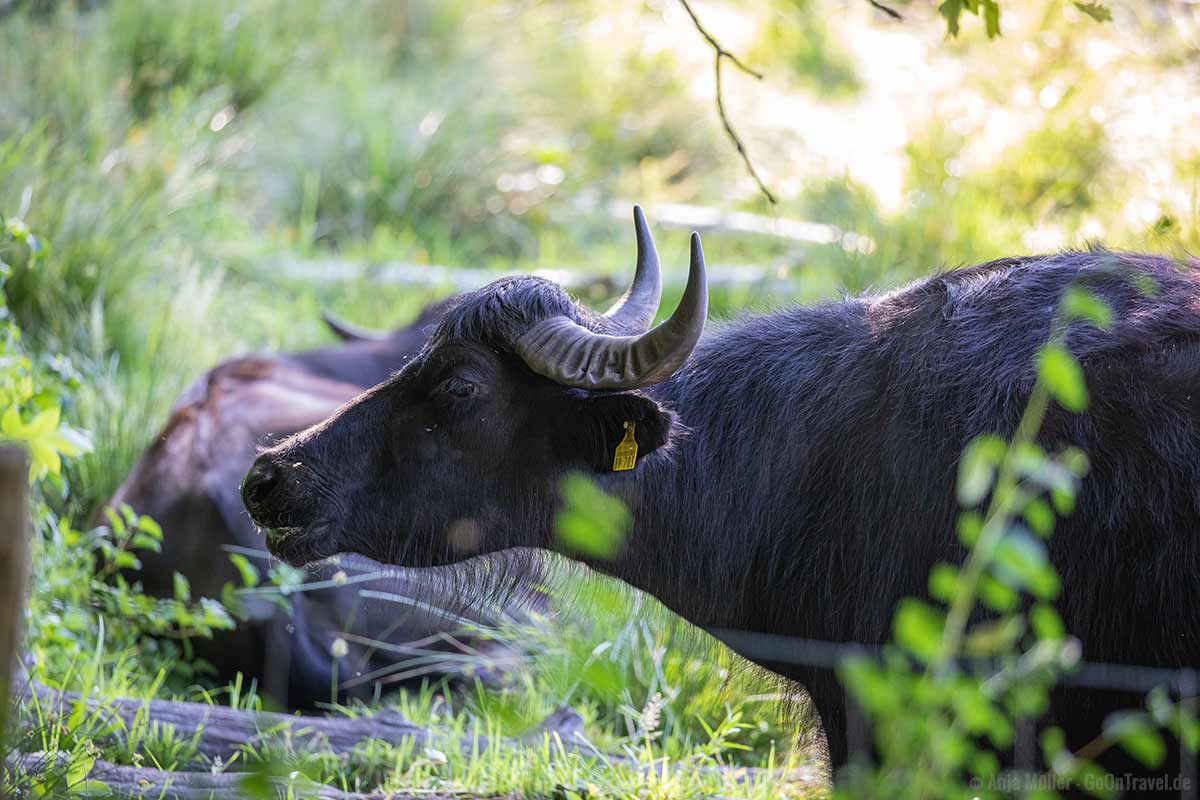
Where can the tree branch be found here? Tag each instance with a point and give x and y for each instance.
(891, 12)
(719, 55)
(716, 46)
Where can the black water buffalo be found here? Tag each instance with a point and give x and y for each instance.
(795, 471)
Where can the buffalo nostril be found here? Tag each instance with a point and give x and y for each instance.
(259, 483)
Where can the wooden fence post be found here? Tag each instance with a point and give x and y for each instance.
(14, 564)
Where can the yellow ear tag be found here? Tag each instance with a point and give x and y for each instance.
(626, 456)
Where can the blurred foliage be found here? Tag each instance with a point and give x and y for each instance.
(31, 412)
(797, 38)
(194, 47)
(966, 669)
(591, 522)
(81, 587)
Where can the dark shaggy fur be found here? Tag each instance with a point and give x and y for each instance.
(798, 473)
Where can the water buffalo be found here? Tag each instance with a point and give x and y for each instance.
(795, 471)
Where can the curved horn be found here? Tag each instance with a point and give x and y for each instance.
(634, 311)
(570, 354)
(348, 332)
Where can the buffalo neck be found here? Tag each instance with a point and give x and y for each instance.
(720, 515)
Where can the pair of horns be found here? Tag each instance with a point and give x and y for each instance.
(570, 354)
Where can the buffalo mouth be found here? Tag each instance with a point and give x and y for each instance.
(300, 546)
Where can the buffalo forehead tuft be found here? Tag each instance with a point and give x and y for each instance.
(499, 313)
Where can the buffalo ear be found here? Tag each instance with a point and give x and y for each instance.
(596, 425)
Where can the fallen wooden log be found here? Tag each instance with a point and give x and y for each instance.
(141, 782)
(221, 732)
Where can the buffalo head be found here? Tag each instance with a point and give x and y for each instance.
(463, 450)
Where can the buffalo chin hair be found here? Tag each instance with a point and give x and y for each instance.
(519, 585)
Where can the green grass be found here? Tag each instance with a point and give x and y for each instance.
(664, 712)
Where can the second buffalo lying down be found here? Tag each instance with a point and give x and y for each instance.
(188, 480)
(795, 472)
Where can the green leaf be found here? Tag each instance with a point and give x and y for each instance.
(951, 10)
(1040, 517)
(78, 770)
(148, 526)
(1187, 729)
(984, 764)
(1023, 559)
(143, 541)
(1096, 11)
(1046, 622)
(871, 685)
(1160, 706)
(183, 589)
(918, 628)
(92, 788)
(259, 782)
(991, 17)
(977, 468)
(977, 712)
(1135, 733)
(10, 423)
(43, 423)
(215, 615)
(970, 526)
(997, 596)
(943, 582)
(1063, 376)
(115, 523)
(1064, 500)
(592, 522)
(1094, 777)
(1027, 700)
(247, 570)
(1079, 303)
(1075, 460)
(1054, 745)
(124, 559)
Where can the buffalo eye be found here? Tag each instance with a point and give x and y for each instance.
(459, 387)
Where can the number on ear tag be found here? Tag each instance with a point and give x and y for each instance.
(626, 456)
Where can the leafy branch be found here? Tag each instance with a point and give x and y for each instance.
(958, 685)
(989, 10)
